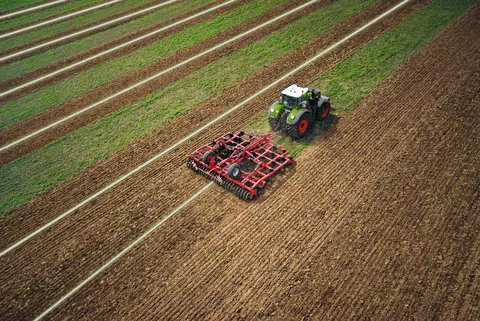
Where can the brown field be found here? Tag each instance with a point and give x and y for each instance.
(378, 219)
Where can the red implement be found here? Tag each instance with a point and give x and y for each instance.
(240, 162)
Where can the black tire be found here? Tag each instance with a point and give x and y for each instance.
(206, 158)
(234, 172)
(274, 123)
(300, 128)
(323, 111)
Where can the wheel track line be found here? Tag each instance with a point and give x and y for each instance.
(78, 33)
(175, 145)
(22, 11)
(67, 16)
(103, 53)
(110, 262)
(122, 253)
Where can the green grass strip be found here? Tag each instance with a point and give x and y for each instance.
(29, 105)
(33, 174)
(34, 16)
(54, 29)
(356, 77)
(41, 13)
(7, 5)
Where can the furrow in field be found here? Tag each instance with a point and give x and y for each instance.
(78, 32)
(61, 23)
(152, 182)
(21, 67)
(37, 25)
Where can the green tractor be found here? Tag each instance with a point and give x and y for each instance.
(297, 109)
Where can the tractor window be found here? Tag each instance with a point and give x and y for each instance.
(289, 101)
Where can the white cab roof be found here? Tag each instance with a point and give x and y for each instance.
(294, 91)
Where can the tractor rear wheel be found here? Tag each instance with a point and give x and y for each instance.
(299, 129)
(323, 111)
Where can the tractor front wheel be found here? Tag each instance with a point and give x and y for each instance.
(299, 129)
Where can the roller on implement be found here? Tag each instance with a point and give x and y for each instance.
(240, 162)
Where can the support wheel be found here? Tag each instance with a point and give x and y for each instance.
(299, 129)
(234, 171)
(209, 158)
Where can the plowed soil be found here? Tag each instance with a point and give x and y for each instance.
(385, 226)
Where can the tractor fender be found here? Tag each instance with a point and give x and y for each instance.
(322, 99)
(295, 114)
(275, 110)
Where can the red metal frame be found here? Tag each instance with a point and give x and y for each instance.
(259, 158)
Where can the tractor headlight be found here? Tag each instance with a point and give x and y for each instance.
(292, 117)
(272, 110)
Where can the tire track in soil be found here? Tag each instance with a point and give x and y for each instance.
(92, 51)
(53, 114)
(254, 232)
(78, 28)
(131, 224)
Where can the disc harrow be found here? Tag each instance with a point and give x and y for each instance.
(240, 162)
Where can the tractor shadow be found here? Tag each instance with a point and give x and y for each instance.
(322, 130)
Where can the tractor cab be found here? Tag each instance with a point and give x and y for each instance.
(293, 96)
(297, 108)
